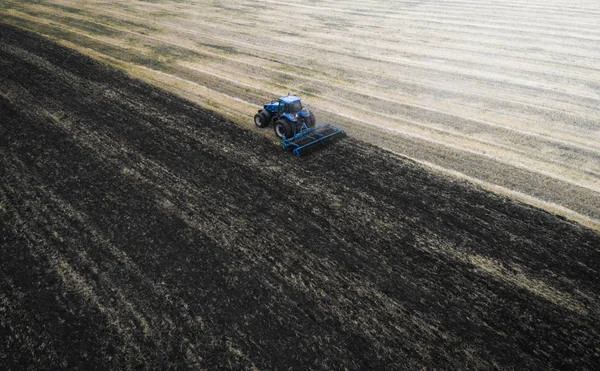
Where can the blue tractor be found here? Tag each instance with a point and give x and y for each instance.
(295, 125)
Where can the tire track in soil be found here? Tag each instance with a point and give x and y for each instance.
(104, 276)
(118, 313)
(286, 262)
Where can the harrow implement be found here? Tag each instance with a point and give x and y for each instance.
(309, 139)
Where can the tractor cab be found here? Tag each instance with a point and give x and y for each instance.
(290, 104)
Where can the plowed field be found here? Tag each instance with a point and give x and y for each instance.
(505, 94)
(138, 229)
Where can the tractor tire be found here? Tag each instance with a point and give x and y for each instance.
(260, 120)
(267, 116)
(311, 121)
(284, 128)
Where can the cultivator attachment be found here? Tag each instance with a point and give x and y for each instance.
(309, 139)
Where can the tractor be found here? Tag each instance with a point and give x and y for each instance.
(287, 116)
(295, 125)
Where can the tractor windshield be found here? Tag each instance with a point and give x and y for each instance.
(295, 107)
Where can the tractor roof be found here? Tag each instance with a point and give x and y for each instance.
(289, 99)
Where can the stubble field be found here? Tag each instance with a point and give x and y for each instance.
(504, 94)
(139, 230)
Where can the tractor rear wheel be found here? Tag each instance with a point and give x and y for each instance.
(284, 128)
(260, 120)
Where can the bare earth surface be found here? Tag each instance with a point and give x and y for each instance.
(505, 94)
(140, 230)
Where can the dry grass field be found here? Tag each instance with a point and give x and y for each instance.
(505, 94)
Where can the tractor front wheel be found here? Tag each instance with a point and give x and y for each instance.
(284, 128)
(260, 120)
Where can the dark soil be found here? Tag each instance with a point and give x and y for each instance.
(140, 230)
